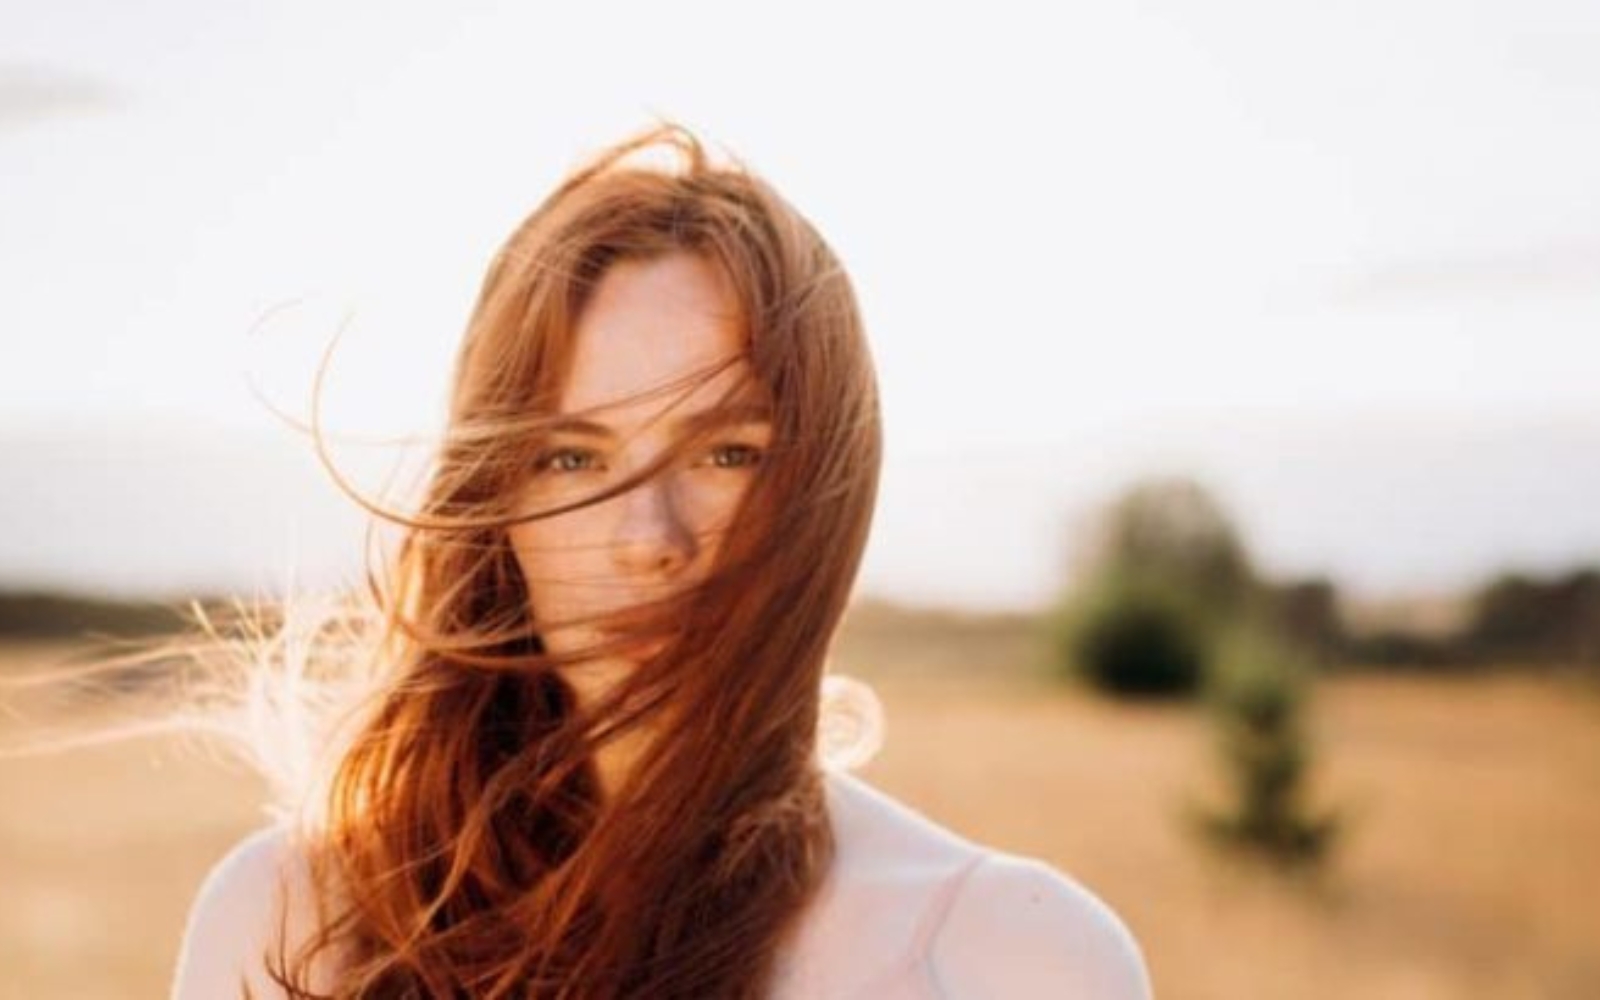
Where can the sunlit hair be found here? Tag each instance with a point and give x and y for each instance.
(439, 769)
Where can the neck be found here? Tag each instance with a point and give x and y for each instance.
(618, 757)
(616, 760)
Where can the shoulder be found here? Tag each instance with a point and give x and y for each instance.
(253, 900)
(1017, 927)
(980, 921)
(875, 830)
(891, 865)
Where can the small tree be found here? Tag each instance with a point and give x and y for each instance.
(1257, 695)
(1172, 529)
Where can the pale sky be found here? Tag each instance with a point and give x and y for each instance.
(1355, 240)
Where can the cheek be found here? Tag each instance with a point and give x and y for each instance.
(709, 505)
(543, 571)
(539, 556)
(552, 552)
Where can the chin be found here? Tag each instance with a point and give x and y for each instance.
(600, 671)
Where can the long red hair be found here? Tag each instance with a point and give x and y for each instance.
(462, 847)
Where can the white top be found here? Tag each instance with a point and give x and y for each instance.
(910, 910)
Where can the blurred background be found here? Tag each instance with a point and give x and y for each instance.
(1239, 542)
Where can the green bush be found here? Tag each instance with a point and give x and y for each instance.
(1134, 637)
(1158, 573)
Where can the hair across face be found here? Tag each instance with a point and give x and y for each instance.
(649, 323)
(647, 514)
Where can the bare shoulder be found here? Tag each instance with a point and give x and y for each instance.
(877, 832)
(1018, 927)
(254, 899)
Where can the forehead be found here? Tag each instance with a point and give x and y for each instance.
(650, 322)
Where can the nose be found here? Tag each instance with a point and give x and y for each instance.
(651, 537)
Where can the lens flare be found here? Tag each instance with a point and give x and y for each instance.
(851, 728)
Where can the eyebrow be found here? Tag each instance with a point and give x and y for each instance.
(716, 416)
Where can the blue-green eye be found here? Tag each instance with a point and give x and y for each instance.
(564, 460)
(738, 455)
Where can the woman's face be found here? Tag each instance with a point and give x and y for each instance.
(646, 323)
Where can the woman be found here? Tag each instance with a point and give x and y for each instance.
(590, 767)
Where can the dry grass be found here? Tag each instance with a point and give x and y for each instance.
(1472, 869)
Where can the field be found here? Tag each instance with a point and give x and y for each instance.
(1472, 867)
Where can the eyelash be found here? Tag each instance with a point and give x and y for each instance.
(542, 463)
